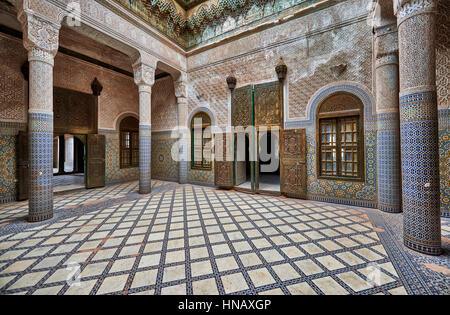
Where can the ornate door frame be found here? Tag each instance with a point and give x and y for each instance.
(256, 105)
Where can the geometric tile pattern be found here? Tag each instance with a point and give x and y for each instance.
(163, 164)
(205, 177)
(423, 274)
(185, 239)
(145, 150)
(388, 163)
(40, 166)
(113, 172)
(18, 211)
(8, 132)
(444, 161)
(338, 191)
(344, 192)
(420, 171)
(7, 167)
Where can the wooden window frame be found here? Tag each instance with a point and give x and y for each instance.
(338, 117)
(204, 165)
(133, 150)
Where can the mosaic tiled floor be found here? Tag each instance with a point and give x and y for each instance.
(185, 239)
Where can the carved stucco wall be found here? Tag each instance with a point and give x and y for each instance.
(13, 87)
(114, 22)
(310, 46)
(443, 54)
(164, 105)
(164, 120)
(443, 89)
(13, 115)
(119, 94)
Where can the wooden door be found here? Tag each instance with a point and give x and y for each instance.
(95, 172)
(22, 165)
(268, 104)
(242, 107)
(241, 118)
(293, 163)
(223, 160)
(55, 152)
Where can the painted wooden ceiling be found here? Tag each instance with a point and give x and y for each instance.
(193, 22)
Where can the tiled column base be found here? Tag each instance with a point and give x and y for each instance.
(41, 167)
(183, 163)
(388, 163)
(416, 21)
(420, 172)
(145, 153)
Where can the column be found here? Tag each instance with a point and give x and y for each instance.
(388, 124)
(144, 77)
(183, 130)
(41, 41)
(419, 125)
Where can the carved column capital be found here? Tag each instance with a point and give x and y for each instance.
(144, 76)
(40, 37)
(181, 87)
(405, 9)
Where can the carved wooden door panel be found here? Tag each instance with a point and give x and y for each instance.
(95, 172)
(241, 106)
(267, 104)
(293, 163)
(22, 166)
(223, 163)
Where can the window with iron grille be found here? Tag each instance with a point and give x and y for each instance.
(201, 141)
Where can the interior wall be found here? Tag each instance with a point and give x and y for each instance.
(164, 120)
(119, 95)
(13, 117)
(443, 89)
(314, 47)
